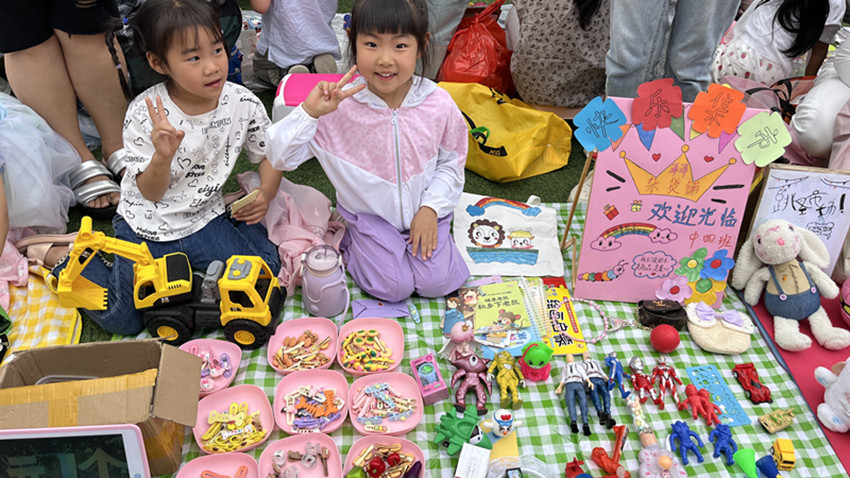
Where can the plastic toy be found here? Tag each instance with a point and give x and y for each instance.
(599, 394)
(574, 379)
(785, 261)
(667, 380)
(574, 469)
(745, 458)
(611, 464)
(700, 404)
(680, 431)
(656, 462)
(430, 380)
(778, 419)
(664, 338)
(767, 467)
(641, 383)
(500, 425)
(748, 377)
(509, 378)
(459, 331)
(783, 454)
(453, 431)
(709, 378)
(616, 375)
(163, 288)
(323, 282)
(471, 370)
(535, 361)
(834, 412)
(721, 436)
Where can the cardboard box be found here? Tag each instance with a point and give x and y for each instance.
(144, 382)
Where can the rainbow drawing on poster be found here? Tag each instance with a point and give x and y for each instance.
(479, 207)
(662, 205)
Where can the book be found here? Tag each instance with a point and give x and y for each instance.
(564, 328)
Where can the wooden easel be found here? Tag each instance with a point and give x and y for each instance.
(591, 156)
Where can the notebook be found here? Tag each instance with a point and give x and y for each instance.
(562, 324)
(87, 451)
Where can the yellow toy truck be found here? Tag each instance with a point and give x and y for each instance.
(244, 297)
(783, 454)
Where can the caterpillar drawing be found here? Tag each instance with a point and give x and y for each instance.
(605, 276)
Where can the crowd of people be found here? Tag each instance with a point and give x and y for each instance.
(168, 150)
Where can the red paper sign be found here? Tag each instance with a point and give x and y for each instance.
(657, 103)
(717, 111)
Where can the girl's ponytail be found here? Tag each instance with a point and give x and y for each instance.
(805, 20)
(111, 40)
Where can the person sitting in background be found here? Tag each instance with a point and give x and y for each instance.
(297, 37)
(54, 53)
(559, 57)
(770, 41)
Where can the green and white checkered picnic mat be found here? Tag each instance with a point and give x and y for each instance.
(544, 432)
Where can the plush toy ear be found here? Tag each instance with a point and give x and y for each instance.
(813, 249)
(746, 264)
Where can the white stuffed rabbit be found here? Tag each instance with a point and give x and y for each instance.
(834, 412)
(785, 262)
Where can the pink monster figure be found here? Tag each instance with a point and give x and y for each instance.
(667, 378)
(700, 404)
(641, 383)
(472, 369)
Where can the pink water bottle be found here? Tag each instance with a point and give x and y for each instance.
(323, 285)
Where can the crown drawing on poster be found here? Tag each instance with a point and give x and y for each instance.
(676, 180)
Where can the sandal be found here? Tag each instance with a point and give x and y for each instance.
(36, 247)
(86, 192)
(117, 162)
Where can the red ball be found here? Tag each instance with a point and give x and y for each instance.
(664, 338)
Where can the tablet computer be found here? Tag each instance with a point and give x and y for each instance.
(82, 452)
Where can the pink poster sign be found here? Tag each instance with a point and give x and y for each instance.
(664, 213)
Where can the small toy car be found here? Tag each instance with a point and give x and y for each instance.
(778, 419)
(749, 379)
(783, 454)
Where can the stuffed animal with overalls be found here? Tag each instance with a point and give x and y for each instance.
(785, 262)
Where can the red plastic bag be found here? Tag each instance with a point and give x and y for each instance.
(478, 53)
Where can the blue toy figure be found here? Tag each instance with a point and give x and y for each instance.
(574, 379)
(599, 393)
(616, 374)
(681, 431)
(724, 443)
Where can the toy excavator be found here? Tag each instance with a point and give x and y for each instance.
(242, 297)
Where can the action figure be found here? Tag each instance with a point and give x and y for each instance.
(471, 369)
(700, 403)
(509, 378)
(615, 372)
(666, 376)
(500, 426)
(599, 394)
(574, 378)
(641, 383)
(459, 331)
(535, 362)
(724, 444)
(681, 431)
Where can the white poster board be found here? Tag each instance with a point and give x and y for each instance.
(813, 198)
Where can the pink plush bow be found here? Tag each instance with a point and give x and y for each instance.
(706, 313)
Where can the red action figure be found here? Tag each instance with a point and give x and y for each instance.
(700, 403)
(666, 375)
(641, 384)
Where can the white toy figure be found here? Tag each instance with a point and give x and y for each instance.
(834, 413)
(785, 262)
(500, 425)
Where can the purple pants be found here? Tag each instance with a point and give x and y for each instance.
(379, 260)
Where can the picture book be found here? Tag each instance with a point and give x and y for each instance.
(501, 320)
(563, 323)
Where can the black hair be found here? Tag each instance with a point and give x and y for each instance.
(586, 10)
(805, 20)
(155, 26)
(408, 17)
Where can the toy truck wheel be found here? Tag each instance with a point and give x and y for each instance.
(734, 374)
(247, 334)
(748, 394)
(170, 329)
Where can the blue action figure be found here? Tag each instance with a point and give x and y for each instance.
(599, 394)
(574, 379)
(616, 374)
(684, 434)
(724, 444)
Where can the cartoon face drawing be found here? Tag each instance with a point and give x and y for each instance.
(521, 239)
(486, 233)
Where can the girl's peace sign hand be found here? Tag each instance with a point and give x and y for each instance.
(165, 137)
(327, 95)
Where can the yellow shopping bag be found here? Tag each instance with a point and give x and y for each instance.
(508, 139)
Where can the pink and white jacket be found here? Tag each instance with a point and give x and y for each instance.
(382, 161)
